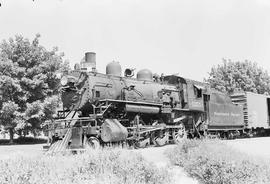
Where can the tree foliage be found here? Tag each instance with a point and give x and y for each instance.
(50, 107)
(246, 76)
(8, 116)
(28, 77)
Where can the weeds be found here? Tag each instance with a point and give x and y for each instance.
(213, 162)
(96, 166)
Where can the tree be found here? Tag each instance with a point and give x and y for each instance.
(34, 115)
(246, 76)
(28, 75)
(8, 117)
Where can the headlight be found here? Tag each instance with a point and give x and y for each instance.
(64, 81)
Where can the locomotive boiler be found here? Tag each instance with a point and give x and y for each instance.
(146, 109)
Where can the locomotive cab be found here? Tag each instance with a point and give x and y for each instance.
(190, 92)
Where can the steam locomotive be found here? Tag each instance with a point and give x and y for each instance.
(146, 109)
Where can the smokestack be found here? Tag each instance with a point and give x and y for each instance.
(90, 61)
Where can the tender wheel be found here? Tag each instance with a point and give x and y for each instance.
(179, 134)
(92, 142)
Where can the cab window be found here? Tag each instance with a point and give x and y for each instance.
(198, 91)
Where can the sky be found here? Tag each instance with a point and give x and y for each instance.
(185, 37)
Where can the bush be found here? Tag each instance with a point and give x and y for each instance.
(24, 140)
(96, 166)
(213, 162)
(30, 140)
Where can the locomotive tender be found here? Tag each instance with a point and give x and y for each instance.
(111, 108)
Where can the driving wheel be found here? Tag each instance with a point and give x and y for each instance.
(179, 134)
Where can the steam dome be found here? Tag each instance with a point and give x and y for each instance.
(114, 68)
(145, 74)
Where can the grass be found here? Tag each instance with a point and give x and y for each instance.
(213, 162)
(110, 165)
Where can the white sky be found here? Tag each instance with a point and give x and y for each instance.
(166, 36)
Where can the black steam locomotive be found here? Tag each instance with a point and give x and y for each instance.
(146, 109)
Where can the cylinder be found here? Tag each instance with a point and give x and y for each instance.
(113, 131)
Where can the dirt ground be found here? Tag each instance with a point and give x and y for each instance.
(15, 151)
(158, 156)
(259, 147)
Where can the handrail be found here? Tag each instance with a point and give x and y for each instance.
(84, 118)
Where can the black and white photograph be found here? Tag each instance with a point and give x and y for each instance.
(134, 92)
